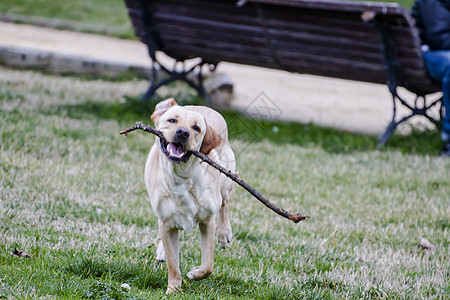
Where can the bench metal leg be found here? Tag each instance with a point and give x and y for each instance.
(186, 75)
(384, 137)
(395, 78)
(160, 74)
(420, 107)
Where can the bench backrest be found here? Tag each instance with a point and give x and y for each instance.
(318, 37)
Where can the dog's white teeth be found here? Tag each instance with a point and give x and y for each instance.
(171, 148)
(175, 151)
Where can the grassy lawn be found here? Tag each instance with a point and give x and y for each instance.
(72, 196)
(104, 16)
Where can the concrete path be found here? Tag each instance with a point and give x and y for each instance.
(347, 105)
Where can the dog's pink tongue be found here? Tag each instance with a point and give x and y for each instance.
(175, 151)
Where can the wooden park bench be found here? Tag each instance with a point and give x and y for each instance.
(362, 41)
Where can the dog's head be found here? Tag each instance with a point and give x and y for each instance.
(184, 131)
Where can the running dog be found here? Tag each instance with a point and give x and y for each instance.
(185, 192)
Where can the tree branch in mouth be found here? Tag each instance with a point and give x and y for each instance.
(280, 211)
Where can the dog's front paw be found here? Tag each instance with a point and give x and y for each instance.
(173, 289)
(197, 273)
(224, 236)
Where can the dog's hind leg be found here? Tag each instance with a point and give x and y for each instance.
(223, 230)
(207, 266)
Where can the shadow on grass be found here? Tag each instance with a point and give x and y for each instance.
(247, 130)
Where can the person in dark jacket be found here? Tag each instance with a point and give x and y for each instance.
(433, 21)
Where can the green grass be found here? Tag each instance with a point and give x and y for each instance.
(104, 16)
(247, 129)
(73, 196)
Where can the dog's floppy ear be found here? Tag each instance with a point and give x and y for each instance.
(161, 108)
(211, 140)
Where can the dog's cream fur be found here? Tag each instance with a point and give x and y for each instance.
(184, 193)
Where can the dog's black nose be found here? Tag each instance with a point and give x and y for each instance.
(182, 133)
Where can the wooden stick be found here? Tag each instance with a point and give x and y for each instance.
(140, 125)
(284, 213)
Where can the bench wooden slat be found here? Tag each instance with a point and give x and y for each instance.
(339, 6)
(352, 55)
(174, 32)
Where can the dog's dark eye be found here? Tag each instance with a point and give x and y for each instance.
(196, 128)
(172, 120)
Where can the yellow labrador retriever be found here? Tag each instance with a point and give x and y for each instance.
(185, 192)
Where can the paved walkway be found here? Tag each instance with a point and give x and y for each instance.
(347, 105)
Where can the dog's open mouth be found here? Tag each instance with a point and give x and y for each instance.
(176, 152)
